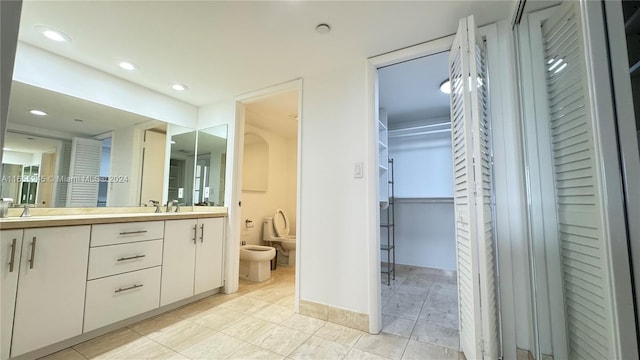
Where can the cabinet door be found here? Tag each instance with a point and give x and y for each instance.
(51, 289)
(10, 248)
(209, 254)
(178, 260)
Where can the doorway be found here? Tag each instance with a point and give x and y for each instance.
(269, 184)
(418, 245)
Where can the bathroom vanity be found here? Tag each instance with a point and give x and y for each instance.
(68, 278)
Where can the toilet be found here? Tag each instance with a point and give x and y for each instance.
(275, 231)
(255, 262)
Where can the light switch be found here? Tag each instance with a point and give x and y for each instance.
(357, 170)
(180, 193)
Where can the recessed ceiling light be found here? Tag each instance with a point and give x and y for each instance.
(6, 149)
(445, 87)
(52, 34)
(179, 87)
(37, 112)
(128, 66)
(323, 28)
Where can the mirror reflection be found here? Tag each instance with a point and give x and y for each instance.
(211, 166)
(181, 161)
(61, 151)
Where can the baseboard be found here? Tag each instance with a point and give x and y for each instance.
(335, 315)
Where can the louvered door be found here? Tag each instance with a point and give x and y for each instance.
(583, 260)
(471, 144)
(468, 288)
(483, 192)
(84, 173)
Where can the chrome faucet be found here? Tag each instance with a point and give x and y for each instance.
(157, 205)
(4, 207)
(170, 205)
(25, 212)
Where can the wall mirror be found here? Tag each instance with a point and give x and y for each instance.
(180, 167)
(255, 165)
(61, 151)
(210, 168)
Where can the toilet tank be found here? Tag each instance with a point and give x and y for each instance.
(268, 233)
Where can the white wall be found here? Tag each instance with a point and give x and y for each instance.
(333, 237)
(10, 19)
(422, 165)
(17, 158)
(425, 233)
(423, 170)
(43, 69)
(224, 113)
(256, 205)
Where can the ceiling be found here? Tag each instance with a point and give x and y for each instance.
(221, 49)
(410, 91)
(277, 114)
(63, 110)
(29, 144)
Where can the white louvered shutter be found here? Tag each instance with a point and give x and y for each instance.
(468, 288)
(471, 144)
(585, 279)
(483, 159)
(84, 173)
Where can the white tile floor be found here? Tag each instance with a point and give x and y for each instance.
(258, 322)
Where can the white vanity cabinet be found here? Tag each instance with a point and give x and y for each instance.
(209, 255)
(192, 258)
(11, 246)
(124, 272)
(51, 287)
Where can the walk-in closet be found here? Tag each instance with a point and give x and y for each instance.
(418, 252)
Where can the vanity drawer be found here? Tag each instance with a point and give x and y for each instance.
(119, 297)
(121, 258)
(109, 234)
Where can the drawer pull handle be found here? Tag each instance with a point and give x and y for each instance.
(133, 232)
(33, 253)
(131, 257)
(195, 231)
(129, 288)
(202, 233)
(13, 255)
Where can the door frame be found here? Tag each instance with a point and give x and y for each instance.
(510, 233)
(235, 211)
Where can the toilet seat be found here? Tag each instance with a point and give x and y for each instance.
(281, 223)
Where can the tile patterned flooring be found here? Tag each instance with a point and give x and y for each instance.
(420, 321)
